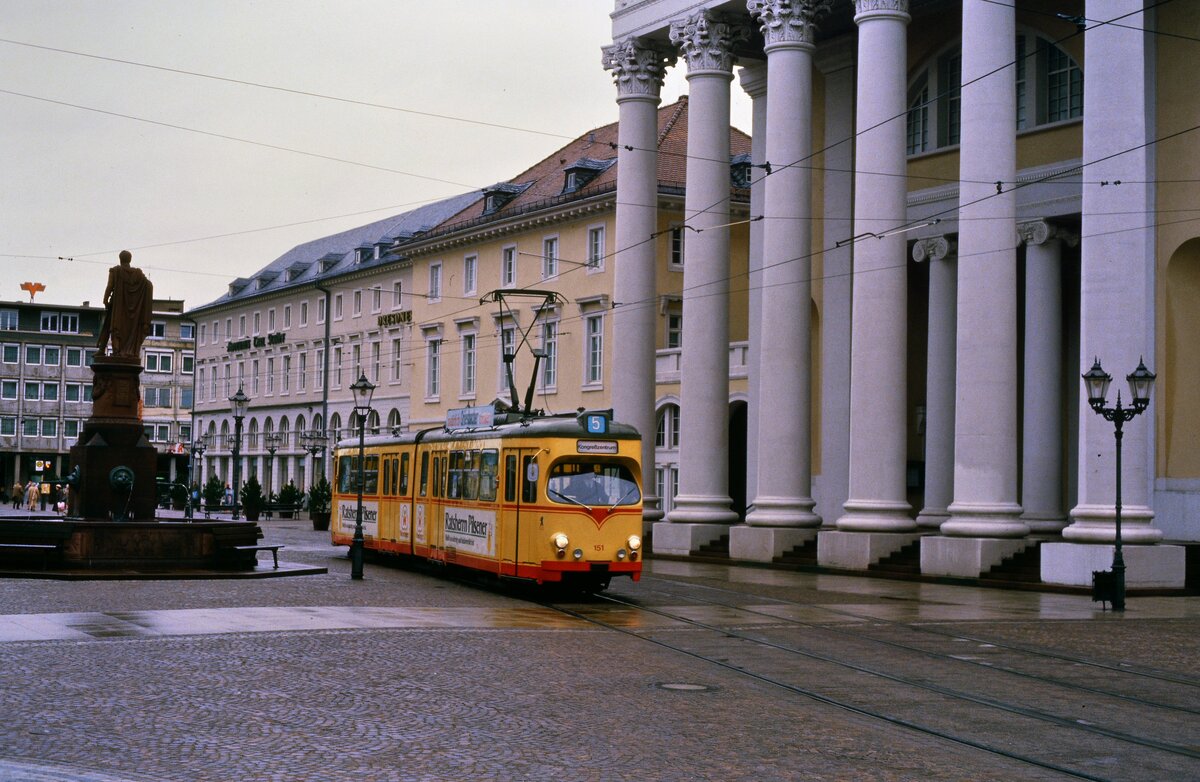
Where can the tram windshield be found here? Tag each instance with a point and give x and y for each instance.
(592, 484)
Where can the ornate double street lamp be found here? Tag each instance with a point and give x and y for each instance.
(272, 440)
(238, 404)
(1141, 383)
(199, 446)
(362, 390)
(314, 442)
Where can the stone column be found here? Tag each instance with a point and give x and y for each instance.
(939, 378)
(1042, 419)
(638, 68)
(831, 487)
(1117, 307)
(754, 82)
(706, 41)
(985, 524)
(878, 369)
(783, 502)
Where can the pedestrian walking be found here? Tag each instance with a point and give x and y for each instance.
(18, 493)
(31, 496)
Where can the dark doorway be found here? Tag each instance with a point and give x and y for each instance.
(737, 457)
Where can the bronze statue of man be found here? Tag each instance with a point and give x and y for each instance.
(128, 302)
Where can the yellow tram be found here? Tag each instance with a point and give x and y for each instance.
(546, 499)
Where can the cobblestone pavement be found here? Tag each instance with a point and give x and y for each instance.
(408, 676)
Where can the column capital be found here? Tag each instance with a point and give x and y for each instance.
(638, 66)
(866, 9)
(754, 80)
(1042, 231)
(706, 40)
(935, 248)
(787, 22)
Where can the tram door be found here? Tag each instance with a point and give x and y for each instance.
(520, 493)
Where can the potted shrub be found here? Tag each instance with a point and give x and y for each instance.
(253, 499)
(320, 503)
(289, 495)
(214, 492)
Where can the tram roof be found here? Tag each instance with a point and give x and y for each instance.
(565, 425)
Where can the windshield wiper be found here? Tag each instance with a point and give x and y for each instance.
(622, 499)
(565, 498)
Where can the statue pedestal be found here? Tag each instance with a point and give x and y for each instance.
(114, 437)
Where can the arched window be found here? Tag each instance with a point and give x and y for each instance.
(393, 420)
(1049, 89)
(667, 436)
(335, 428)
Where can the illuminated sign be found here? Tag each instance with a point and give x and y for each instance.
(481, 417)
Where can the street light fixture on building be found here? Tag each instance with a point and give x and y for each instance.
(272, 440)
(1111, 584)
(238, 404)
(199, 446)
(362, 390)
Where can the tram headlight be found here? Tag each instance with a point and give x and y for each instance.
(634, 542)
(560, 543)
(577, 553)
(621, 553)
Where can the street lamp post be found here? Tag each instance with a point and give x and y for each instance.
(237, 403)
(1141, 382)
(314, 442)
(272, 440)
(198, 448)
(362, 390)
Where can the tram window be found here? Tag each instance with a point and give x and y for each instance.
(528, 487)
(403, 475)
(455, 489)
(371, 475)
(489, 462)
(424, 473)
(394, 483)
(470, 488)
(345, 474)
(592, 483)
(510, 478)
(387, 472)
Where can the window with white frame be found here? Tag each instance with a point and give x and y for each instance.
(1049, 88)
(397, 359)
(12, 354)
(508, 345)
(548, 379)
(8, 389)
(50, 392)
(667, 436)
(508, 267)
(337, 306)
(285, 377)
(51, 356)
(675, 250)
(674, 324)
(187, 331)
(72, 392)
(10, 320)
(376, 361)
(157, 361)
(254, 377)
(203, 334)
(376, 298)
(156, 396)
(337, 367)
(302, 371)
(594, 349)
(549, 257)
(666, 479)
(257, 323)
(30, 426)
(241, 325)
(303, 313)
(470, 271)
(74, 357)
(189, 363)
(287, 316)
(8, 426)
(320, 311)
(435, 282)
(270, 375)
(397, 295)
(49, 427)
(71, 427)
(185, 397)
(33, 355)
(433, 357)
(319, 383)
(595, 248)
(356, 307)
(468, 365)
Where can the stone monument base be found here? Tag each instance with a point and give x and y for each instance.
(764, 544)
(1146, 567)
(942, 555)
(679, 539)
(859, 550)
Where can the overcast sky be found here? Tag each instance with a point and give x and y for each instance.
(145, 158)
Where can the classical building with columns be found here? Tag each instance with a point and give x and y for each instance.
(956, 208)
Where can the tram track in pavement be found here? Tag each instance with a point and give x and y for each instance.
(1126, 671)
(1084, 742)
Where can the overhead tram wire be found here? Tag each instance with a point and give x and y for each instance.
(1083, 19)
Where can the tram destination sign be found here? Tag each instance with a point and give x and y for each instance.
(481, 417)
(595, 446)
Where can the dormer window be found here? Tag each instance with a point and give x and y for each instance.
(265, 279)
(583, 171)
(364, 253)
(295, 270)
(739, 171)
(327, 262)
(238, 285)
(499, 195)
